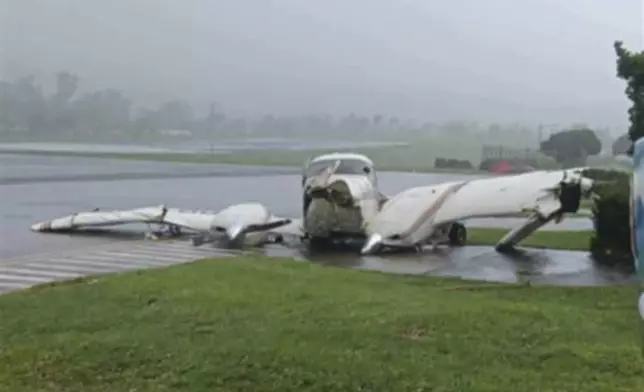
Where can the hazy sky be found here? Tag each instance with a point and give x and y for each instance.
(489, 60)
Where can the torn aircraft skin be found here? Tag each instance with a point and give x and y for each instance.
(341, 200)
(339, 195)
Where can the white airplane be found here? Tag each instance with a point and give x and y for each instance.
(341, 200)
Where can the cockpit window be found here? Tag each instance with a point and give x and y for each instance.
(346, 166)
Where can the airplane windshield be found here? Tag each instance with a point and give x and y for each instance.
(346, 166)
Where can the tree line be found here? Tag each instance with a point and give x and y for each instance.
(109, 113)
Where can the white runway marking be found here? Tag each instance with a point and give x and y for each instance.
(25, 272)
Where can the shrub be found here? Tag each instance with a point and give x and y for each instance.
(610, 244)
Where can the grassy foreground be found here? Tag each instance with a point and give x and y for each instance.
(551, 239)
(253, 324)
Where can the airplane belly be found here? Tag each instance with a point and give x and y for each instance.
(324, 218)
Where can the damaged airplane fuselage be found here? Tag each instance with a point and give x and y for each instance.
(341, 200)
(339, 195)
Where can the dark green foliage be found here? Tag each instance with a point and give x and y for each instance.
(571, 147)
(630, 67)
(611, 243)
(622, 145)
(449, 163)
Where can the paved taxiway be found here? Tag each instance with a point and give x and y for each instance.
(55, 186)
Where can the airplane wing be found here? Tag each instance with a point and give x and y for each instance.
(97, 218)
(543, 193)
(411, 215)
(194, 220)
(245, 217)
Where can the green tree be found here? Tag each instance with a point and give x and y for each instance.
(571, 147)
(66, 86)
(622, 145)
(630, 67)
(102, 111)
(60, 113)
(611, 242)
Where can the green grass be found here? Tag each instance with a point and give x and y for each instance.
(418, 156)
(254, 324)
(561, 239)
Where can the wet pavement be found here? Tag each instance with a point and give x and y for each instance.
(24, 169)
(26, 203)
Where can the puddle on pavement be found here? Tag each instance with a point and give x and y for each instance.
(537, 266)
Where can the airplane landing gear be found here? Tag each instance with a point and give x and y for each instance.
(174, 230)
(150, 234)
(457, 234)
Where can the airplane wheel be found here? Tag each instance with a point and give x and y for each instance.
(175, 230)
(457, 235)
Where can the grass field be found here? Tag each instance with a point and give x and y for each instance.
(386, 158)
(418, 156)
(254, 324)
(561, 240)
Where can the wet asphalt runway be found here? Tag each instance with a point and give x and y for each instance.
(35, 188)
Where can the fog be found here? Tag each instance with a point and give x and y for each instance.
(493, 60)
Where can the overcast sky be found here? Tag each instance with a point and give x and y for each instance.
(488, 60)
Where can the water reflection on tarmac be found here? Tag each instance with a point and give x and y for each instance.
(30, 201)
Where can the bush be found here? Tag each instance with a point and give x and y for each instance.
(610, 245)
(449, 163)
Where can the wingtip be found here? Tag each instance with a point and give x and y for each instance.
(39, 227)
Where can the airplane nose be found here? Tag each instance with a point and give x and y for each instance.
(374, 242)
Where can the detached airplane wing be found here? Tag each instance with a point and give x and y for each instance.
(411, 216)
(233, 220)
(97, 218)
